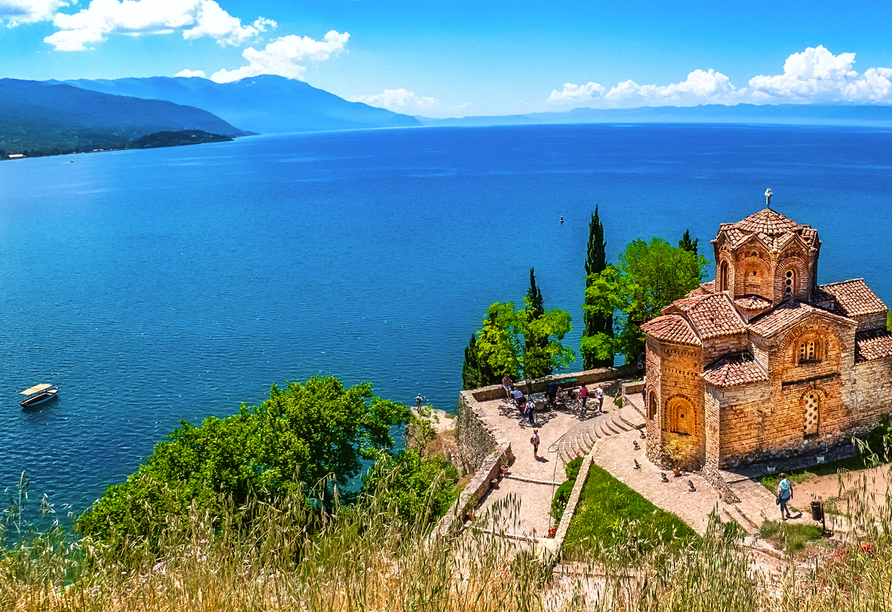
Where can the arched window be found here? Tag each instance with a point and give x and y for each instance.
(652, 406)
(723, 277)
(789, 282)
(812, 408)
(681, 416)
(809, 351)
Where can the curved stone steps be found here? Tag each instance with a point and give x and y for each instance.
(580, 439)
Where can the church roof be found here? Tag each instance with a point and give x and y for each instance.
(732, 370)
(752, 302)
(767, 221)
(772, 229)
(702, 289)
(711, 315)
(854, 298)
(786, 314)
(873, 345)
(671, 328)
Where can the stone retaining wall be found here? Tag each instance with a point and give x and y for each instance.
(567, 380)
(463, 508)
(573, 502)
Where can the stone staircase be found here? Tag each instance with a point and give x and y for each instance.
(579, 440)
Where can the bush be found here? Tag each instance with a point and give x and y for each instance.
(561, 497)
(572, 468)
(415, 488)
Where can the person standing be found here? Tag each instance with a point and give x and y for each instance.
(583, 395)
(506, 385)
(535, 442)
(784, 495)
(599, 395)
(528, 413)
(418, 400)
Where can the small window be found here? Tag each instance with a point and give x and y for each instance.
(652, 406)
(789, 279)
(812, 409)
(808, 352)
(723, 276)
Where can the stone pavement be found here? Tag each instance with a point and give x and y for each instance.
(521, 505)
(616, 454)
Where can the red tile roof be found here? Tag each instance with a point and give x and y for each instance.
(732, 370)
(769, 222)
(671, 328)
(702, 289)
(873, 345)
(752, 302)
(772, 229)
(855, 298)
(787, 314)
(711, 315)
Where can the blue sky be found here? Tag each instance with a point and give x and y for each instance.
(472, 58)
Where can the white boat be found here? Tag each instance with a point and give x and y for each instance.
(38, 394)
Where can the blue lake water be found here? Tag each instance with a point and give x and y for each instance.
(169, 284)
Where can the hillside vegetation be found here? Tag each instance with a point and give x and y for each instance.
(39, 119)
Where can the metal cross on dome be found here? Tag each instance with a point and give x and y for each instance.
(768, 195)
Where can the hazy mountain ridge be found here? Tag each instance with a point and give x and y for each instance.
(47, 119)
(266, 104)
(782, 114)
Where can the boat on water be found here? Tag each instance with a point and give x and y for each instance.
(38, 394)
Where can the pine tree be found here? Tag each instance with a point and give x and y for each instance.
(687, 244)
(595, 263)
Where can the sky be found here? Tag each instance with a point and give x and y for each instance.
(454, 59)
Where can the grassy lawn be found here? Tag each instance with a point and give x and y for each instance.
(611, 515)
(790, 537)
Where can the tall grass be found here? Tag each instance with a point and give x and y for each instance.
(365, 557)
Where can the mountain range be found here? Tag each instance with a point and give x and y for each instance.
(266, 104)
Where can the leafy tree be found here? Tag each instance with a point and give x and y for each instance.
(647, 278)
(476, 373)
(284, 447)
(597, 337)
(687, 244)
(504, 344)
(420, 489)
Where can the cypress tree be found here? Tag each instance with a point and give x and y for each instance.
(534, 295)
(687, 244)
(470, 369)
(595, 263)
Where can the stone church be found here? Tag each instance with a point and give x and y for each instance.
(763, 362)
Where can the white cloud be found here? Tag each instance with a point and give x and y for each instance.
(16, 12)
(816, 75)
(700, 87)
(194, 18)
(280, 57)
(397, 100)
(191, 73)
(577, 93)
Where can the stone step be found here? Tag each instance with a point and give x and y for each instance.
(631, 418)
(618, 423)
(752, 525)
(610, 427)
(588, 439)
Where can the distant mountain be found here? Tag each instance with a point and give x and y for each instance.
(266, 104)
(789, 114)
(44, 119)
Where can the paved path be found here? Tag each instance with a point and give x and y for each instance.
(521, 505)
(617, 455)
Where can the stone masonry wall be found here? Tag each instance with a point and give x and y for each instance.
(873, 393)
(476, 435)
(680, 381)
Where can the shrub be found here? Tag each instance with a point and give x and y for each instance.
(572, 468)
(561, 497)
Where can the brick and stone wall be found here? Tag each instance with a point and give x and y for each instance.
(475, 433)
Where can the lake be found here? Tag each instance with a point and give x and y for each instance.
(169, 284)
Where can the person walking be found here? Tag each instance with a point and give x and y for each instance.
(583, 395)
(534, 440)
(418, 400)
(528, 412)
(599, 395)
(784, 495)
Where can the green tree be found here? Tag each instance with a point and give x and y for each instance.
(504, 344)
(284, 447)
(647, 278)
(687, 244)
(476, 373)
(597, 337)
(418, 488)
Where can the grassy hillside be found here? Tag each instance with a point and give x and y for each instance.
(39, 119)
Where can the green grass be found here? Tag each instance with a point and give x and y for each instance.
(791, 537)
(610, 515)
